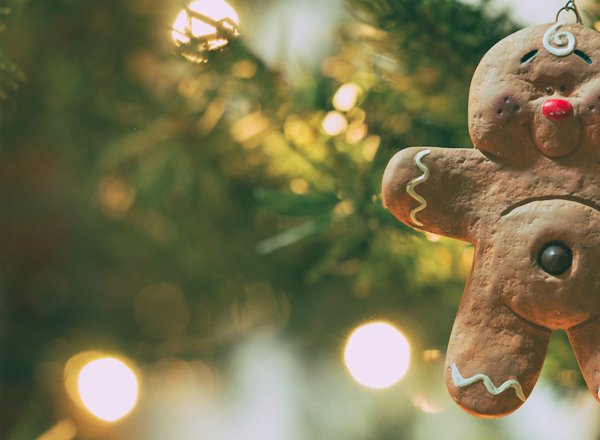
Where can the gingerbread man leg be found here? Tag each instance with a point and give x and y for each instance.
(494, 356)
(585, 339)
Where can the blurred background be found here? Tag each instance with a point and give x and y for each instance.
(192, 239)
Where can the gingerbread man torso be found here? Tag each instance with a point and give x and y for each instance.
(529, 199)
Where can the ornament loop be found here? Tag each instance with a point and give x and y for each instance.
(570, 7)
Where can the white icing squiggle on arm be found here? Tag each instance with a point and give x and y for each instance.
(461, 382)
(410, 188)
(565, 41)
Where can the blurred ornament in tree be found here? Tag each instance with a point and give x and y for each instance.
(204, 26)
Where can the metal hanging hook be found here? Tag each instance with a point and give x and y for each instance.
(570, 7)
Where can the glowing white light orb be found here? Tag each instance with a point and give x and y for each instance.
(346, 97)
(201, 20)
(108, 388)
(334, 124)
(377, 355)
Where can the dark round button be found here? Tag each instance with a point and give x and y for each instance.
(555, 258)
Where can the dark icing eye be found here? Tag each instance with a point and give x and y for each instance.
(563, 89)
(548, 90)
(555, 258)
(583, 56)
(529, 56)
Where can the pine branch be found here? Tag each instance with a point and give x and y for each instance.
(446, 32)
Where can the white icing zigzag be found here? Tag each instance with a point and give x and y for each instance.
(564, 40)
(410, 188)
(461, 382)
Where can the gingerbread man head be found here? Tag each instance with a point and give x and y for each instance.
(528, 198)
(532, 93)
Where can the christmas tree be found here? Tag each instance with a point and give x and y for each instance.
(205, 208)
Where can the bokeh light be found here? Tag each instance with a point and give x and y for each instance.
(205, 19)
(116, 196)
(427, 388)
(105, 386)
(346, 97)
(62, 430)
(108, 388)
(377, 355)
(334, 124)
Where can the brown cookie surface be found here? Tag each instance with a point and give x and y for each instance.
(528, 198)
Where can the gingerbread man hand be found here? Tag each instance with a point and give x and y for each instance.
(528, 198)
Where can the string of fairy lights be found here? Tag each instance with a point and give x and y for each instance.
(107, 386)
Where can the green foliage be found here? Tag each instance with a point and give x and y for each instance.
(10, 74)
(436, 31)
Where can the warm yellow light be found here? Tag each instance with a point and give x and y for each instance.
(334, 124)
(62, 430)
(299, 186)
(371, 147)
(244, 69)
(377, 355)
(108, 388)
(434, 238)
(346, 97)
(116, 196)
(191, 22)
(423, 403)
(356, 132)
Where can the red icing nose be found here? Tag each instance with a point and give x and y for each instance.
(557, 109)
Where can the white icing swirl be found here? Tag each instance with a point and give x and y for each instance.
(462, 382)
(410, 188)
(560, 44)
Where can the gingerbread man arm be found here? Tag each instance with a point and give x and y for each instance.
(435, 189)
(585, 339)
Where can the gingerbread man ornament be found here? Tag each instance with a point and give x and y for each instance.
(528, 198)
